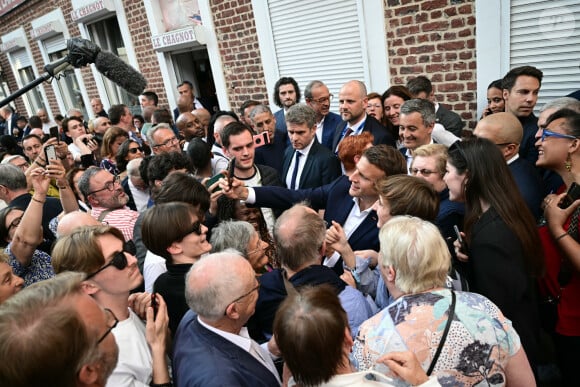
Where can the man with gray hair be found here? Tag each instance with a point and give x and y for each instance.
(417, 119)
(306, 164)
(162, 139)
(135, 187)
(299, 235)
(56, 313)
(263, 121)
(318, 97)
(212, 335)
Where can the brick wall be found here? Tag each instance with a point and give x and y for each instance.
(435, 38)
(239, 50)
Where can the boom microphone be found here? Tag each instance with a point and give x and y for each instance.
(83, 52)
(112, 67)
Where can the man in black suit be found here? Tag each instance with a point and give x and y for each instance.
(307, 164)
(10, 117)
(505, 130)
(421, 87)
(352, 100)
(417, 119)
(318, 97)
(286, 94)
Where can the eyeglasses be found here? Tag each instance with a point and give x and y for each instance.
(423, 172)
(195, 229)
(14, 223)
(549, 133)
(112, 322)
(108, 186)
(171, 141)
(135, 150)
(323, 99)
(257, 287)
(119, 259)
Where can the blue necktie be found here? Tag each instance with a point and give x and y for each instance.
(295, 172)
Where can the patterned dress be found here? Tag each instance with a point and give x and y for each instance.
(478, 347)
(40, 267)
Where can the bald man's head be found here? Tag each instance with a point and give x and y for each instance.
(73, 220)
(504, 130)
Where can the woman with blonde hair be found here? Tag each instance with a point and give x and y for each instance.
(462, 338)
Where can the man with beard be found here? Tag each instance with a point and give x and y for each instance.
(189, 127)
(108, 200)
(352, 102)
(286, 94)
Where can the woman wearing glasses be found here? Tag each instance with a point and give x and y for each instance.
(111, 268)
(559, 150)
(21, 231)
(174, 232)
(243, 237)
(503, 249)
(128, 150)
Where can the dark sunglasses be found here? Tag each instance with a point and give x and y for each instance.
(119, 260)
(195, 229)
(135, 150)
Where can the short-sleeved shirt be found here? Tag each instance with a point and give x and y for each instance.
(478, 347)
(40, 267)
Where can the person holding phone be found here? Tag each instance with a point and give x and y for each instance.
(504, 253)
(558, 145)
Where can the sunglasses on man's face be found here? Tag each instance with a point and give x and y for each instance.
(119, 259)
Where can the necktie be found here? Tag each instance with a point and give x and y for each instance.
(295, 171)
(348, 133)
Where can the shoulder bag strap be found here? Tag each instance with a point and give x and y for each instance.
(450, 315)
(104, 214)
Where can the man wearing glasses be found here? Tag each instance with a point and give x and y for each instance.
(108, 200)
(212, 346)
(162, 139)
(318, 98)
(87, 352)
(505, 131)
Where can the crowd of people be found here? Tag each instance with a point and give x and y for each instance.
(383, 245)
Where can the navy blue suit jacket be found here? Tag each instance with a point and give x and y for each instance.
(281, 129)
(331, 121)
(334, 199)
(321, 167)
(530, 184)
(381, 134)
(204, 358)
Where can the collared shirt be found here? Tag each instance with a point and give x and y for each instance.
(409, 157)
(141, 198)
(356, 128)
(319, 129)
(122, 218)
(256, 181)
(354, 219)
(301, 163)
(244, 341)
(514, 158)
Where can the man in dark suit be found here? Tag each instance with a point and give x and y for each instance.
(307, 164)
(212, 347)
(186, 87)
(286, 94)
(417, 119)
(422, 88)
(505, 130)
(10, 118)
(262, 120)
(318, 97)
(352, 100)
(347, 200)
(237, 141)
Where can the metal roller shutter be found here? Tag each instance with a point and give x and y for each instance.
(21, 59)
(54, 44)
(321, 40)
(546, 34)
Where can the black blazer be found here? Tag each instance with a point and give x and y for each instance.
(271, 154)
(381, 134)
(331, 121)
(321, 167)
(450, 120)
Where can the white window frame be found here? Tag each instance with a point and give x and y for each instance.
(376, 65)
(58, 17)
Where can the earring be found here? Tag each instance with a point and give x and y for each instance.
(568, 163)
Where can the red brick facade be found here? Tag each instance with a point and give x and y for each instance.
(435, 38)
